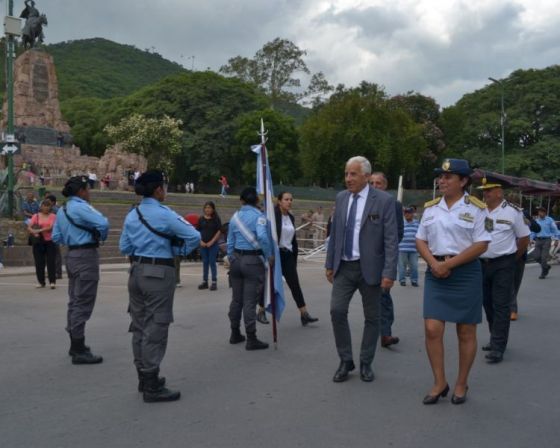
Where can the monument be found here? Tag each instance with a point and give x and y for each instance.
(47, 149)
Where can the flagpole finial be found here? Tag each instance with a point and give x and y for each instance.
(262, 133)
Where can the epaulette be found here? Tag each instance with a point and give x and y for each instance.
(432, 202)
(512, 205)
(475, 201)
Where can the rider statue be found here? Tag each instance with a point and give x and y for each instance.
(33, 29)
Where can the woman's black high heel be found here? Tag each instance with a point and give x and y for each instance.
(455, 399)
(433, 399)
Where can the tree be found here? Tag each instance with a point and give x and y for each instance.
(282, 146)
(273, 69)
(157, 139)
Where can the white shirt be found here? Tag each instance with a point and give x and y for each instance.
(508, 225)
(287, 234)
(362, 197)
(451, 231)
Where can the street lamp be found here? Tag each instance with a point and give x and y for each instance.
(502, 122)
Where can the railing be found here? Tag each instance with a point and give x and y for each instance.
(313, 245)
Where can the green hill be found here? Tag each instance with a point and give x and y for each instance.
(101, 68)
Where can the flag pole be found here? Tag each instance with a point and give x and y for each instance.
(264, 162)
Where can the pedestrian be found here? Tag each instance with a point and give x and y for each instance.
(543, 240)
(510, 238)
(450, 238)
(520, 267)
(362, 254)
(248, 246)
(80, 227)
(29, 207)
(224, 182)
(379, 180)
(209, 225)
(408, 255)
(287, 243)
(44, 250)
(152, 235)
(317, 221)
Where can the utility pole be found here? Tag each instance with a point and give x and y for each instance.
(502, 122)
(12, 28)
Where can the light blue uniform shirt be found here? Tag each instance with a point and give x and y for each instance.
(137, 239)
(82, 213)
(548, 228)
(255, 221)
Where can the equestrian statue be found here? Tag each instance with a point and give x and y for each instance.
(33, 29)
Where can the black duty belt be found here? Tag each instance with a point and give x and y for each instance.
(84, 246)
(543, 238)
(248, 252)
(493, 260)
(443, 257)
(149, 260)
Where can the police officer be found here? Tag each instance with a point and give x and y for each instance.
(80, 227)
(152, 236)
(451, 237)
(543, 240)
(248, 246)
(510, 238)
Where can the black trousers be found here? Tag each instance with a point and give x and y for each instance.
(44, 253)
(517, 279)
(497, 285)
(289, 271)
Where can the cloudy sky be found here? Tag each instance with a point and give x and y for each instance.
(442, 48)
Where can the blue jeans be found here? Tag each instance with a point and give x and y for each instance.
(209, 255)
(408, 259)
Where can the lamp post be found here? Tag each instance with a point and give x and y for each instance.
(502, 122)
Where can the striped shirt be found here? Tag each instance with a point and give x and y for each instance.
(408, 243)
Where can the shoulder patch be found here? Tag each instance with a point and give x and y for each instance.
(261, 221)
(514, 206)
(476, 202)
(432, 202)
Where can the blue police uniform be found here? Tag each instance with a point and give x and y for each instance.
(247, 271)
(543, 240)
(80, 227)
(152, 282)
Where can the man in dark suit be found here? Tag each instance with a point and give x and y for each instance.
(362, 254)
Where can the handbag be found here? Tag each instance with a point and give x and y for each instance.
(35, 239)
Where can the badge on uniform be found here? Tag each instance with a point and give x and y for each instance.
(489, 224)
(466, 217)
(504, 221)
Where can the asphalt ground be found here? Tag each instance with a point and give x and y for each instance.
(272, 398)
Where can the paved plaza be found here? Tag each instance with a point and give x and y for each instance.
(272, 398)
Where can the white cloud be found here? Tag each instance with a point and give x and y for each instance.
(440, 48)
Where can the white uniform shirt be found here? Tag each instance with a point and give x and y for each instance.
(508, 225)
(287, 234)
(362, 197)
(451, 231)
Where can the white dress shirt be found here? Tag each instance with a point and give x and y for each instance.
(362, 198)
(287, 234)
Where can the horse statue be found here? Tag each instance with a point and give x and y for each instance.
(34, 21)
(33, 31)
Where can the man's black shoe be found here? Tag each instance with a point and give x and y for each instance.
(487, 347)
(236, 336)
(154, 391)
(343, 370)
(366, 374)
(254, 344)
(494, 357)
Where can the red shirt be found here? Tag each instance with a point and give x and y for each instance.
(42, 222)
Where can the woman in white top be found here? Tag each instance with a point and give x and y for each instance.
(287, 242)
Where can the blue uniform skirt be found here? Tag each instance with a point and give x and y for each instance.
(457, 298)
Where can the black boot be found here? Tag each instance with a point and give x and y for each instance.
(154, 391)
(203, 285)
(236, 336)
(81, 355)
(253, 343)
(161, 381)
(307, 319)
(71, 351)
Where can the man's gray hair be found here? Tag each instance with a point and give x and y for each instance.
(366, 166)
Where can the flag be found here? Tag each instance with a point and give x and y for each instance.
(264, 187)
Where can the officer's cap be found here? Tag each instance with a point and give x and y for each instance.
(74, 184)
(488, 185)
(409, 210)
(151, 177)
(455, 166)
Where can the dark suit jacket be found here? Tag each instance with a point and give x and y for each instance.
(379, 247)
(278, 215)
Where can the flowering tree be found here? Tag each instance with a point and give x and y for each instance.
(157, 139)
